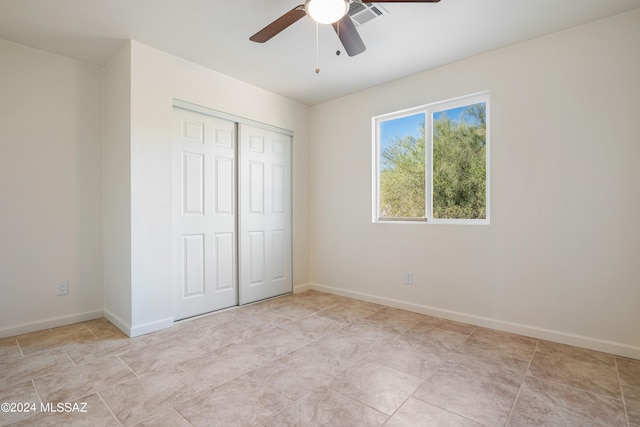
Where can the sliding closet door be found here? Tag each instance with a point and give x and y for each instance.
(264, 214)
(204, 199)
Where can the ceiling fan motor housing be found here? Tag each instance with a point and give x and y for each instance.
(326, 11)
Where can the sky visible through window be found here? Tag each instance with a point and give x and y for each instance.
(409, 125)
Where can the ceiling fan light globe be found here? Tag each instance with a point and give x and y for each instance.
(326, 11)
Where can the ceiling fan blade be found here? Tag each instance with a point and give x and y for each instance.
(279, 24)
(349, 36)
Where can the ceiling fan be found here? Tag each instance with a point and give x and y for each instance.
(334, 12)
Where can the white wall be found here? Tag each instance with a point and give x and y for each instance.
(116, 172)
(156, 79)
(560, 258)
(50, 189)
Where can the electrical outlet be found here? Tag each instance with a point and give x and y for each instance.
(62, 288)
(408, 278)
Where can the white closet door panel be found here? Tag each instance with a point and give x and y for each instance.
(264, 214)
(204, 187)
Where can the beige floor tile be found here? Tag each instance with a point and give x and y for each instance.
(632, 402)
(366, 332)
(254, 309)
(571, 352)
(9, 349)
(312, 327)
(166, 418)
(18, 394)
(193, 331)
(597, 377)
(449, 325)
(348, 312)
(275, 342)
(401, 356)
(72, 382)
(479, 389)
(296, 374)
(26, 368)
(295, 310)
(141, 398)
(234, 332)
(394, 319)
(93, 414)
(339, 350)
(51, 338)
(160, 355)
(213, 319)
(270, 304)
(223, 365)
(241, 402)
(89, 351)
(325, 407)
(493, 343)
(629, 370)
(416, 413)
(378, 386)
(272, 318)
(319, 300)
(104, 329)
(430, 339)
(546, 403)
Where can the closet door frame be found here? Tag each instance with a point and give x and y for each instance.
(226, 116)
(243, 121)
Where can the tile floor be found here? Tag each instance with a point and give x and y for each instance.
(312, 359)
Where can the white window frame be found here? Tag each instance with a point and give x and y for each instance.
(428, 110)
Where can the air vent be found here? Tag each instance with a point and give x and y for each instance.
(361, 13)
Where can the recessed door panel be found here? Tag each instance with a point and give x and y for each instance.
(256, 187)
(278, 249)
(224, 253)
(256, 143)
(193, 131)
(278, 189)
(224, 138)
(224, 180)
(193, 264)
(192, 183)
(256, 258)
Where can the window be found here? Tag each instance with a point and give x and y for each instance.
(431, 163)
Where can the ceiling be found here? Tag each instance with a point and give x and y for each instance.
(215, 33)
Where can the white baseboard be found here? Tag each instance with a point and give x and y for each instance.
(118, 322)
(52, 322)
(134, 331)
(147, 328)
(596, 344)
(302, 288)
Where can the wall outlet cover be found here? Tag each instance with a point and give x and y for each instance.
(62, 288)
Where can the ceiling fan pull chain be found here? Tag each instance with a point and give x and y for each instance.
(338, 41)
(317, 49)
